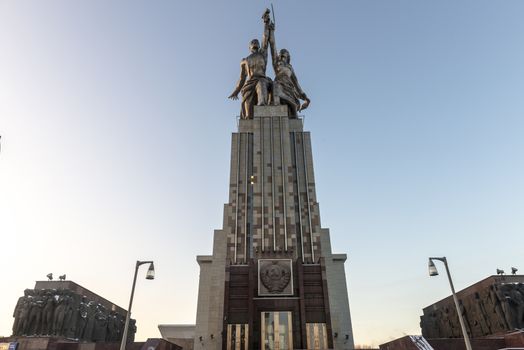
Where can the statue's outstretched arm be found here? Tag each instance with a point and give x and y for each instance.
(301, 92)
(297, 85)
(240, 83)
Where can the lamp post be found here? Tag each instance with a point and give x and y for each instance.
(433, 272)
(150, 276)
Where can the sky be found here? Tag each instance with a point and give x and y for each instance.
(115, 143)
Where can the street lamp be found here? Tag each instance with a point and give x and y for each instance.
(433, 272)
(150, 276)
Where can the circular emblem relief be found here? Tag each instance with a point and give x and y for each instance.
(275, 276)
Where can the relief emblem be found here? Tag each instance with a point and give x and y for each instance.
(275, 277)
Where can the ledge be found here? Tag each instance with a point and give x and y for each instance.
(271, 111)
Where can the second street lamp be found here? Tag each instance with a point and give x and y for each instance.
(433, 272)
(150, 276)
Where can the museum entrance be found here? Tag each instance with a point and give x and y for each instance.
(276, 330)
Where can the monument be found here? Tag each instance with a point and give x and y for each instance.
(65, 309)
(492, 306)
(62, 315)
(272, 281)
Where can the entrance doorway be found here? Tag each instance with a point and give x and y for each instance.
(276, 330)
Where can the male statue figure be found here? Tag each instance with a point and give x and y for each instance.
(253, 83)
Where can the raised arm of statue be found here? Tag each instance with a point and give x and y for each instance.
(241, 81)
(266, 34)
(272, 44)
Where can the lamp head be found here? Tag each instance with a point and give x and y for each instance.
(151, 272)
(432, 269)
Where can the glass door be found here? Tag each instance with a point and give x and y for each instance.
(237, 337)
(316, 336)
(276, 331)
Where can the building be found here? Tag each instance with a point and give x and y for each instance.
(493, 313)
(63, 315)
(180, 334)
(66, 309)
(272, 281)
(492, 306)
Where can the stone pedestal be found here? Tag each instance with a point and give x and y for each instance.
(494, 305)
(66, 309)
(272, 260)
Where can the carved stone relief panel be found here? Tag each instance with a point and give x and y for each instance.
(275, 277)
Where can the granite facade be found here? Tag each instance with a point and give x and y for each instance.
(272, 213)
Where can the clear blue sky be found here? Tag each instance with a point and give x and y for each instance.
(116, 136)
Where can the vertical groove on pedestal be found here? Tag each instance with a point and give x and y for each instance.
(273, 184)
(307, 197)
(262, 180)
(298, 196)
(246, 149)
(237, 189)
(283, 182)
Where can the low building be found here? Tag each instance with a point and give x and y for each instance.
(65, 309)
(493, 312)
(492, 306)
(180, 334)
(511, 340)
(60, 343)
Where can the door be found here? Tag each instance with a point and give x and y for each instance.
(276, 331)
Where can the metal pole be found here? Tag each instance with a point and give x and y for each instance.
(455, 299)
(128, 316)
(461, 319)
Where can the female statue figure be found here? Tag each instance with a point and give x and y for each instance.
(286, 89)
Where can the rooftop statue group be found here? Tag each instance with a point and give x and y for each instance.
(52, 312)
(259, 90)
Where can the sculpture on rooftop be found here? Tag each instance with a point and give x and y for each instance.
(286, 89)
(259, 90)
(253, 83)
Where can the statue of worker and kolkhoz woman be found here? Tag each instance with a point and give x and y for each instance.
(259, 90)
(62, 313)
